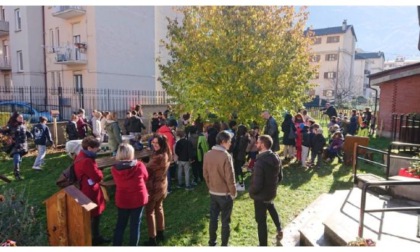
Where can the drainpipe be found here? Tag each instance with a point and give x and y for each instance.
(45, 58)
(374, 111)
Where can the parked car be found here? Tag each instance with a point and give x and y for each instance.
(30, 114)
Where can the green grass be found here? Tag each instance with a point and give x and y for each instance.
(186, 212)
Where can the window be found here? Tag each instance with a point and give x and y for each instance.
(333, 39)
(3, 14)
(18, 20)
(331, 57)
(52, 40)
(328, 93)
(19, 61)
(57, 36)
(315, 58)
(330, 75)
(78, 83)
(7, 83)
(76, 39)
(318, 40)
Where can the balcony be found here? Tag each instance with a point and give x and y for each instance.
(5, 64)
(70, 56)
(4, 28)
(67, 12)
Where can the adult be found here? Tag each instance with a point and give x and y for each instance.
(157, 184)
(168, 130)
(89, 175)
(18, 139)
(71, 128)
(353, 124)
(135, 124)
(96, 125)
(220, 179)
(272, 129)
(289, 137)
(367, 116)
(263, 188)
(329, 110)
(131, 194)
(139, 110)
(114, 132)
(239, 153)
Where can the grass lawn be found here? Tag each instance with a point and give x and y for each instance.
(186, 212)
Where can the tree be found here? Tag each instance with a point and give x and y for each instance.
(225, 59)
(344, 86)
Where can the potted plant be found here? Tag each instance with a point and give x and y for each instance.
(413, 171)
(80, 45)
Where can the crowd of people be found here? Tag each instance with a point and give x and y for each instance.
(189, 153)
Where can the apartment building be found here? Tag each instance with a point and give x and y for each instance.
(399, 62)
(333, 51)
(366, 63)
(104, 46)
(21, 52)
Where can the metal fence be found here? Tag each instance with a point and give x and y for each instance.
(406, 128)
(69, 100)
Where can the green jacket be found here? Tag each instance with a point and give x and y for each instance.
(114, 135)
(202, 147)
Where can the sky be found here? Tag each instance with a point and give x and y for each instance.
(393, 30)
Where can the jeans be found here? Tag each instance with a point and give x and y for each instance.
(184, 166)
(223, 204)
(42, 150)
(135, 220)
(17, 158)
(305, 152)
(261, 218)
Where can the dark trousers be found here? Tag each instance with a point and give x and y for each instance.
(171, 174)
(237, 164)
(313, 155)
(223, 205)
(95, 226)
(197, 169)
(135, 220)
(261, 218)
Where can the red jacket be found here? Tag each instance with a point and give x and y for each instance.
(130, 179)
(86, 168)
(165, 130)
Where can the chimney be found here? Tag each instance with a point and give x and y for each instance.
(344, 27)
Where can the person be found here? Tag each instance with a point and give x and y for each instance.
(251, 149)
(317, 146)
(220, 179)
(127, 122)
(135, 124)
(299, 123)
(329, 110)
(157, 184)
(168, 130)
(89, 175)
(42, 136)
(305, 144)
(71, 128)
(104, 135)
(335, 146)
(212, 133)
(96, 125)
(239, 153)
(271, 129)
(81, 124)
(353, 124)
(139, 110)
(114, 132)
(16, 130)
(184, 151)
(131, 194)
(154, 122)
(289, 137)
(263, 189)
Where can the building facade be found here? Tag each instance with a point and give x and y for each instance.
(333, 52)
(366, 63)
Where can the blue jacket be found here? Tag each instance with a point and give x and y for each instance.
(41, 134)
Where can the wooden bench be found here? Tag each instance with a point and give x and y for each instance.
(348, 147)
(108, 161)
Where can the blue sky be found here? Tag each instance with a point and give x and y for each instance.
(393, 30)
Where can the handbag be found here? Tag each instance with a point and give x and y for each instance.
(292, 134)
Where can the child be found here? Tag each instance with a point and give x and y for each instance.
(71, 128)
(251, 149)
(305, 144)
(184, 152)
(317, 144)
(42, 136)
(335, 147)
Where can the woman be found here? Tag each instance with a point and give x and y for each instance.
(16, 130)
(289, 137)
(157, 188)
(239, 152)
(131, 195)
(89, 175)
(114, 133)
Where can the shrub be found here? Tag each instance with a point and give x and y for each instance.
(18, 221)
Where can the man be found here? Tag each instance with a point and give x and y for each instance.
(135, 124)
(271, 128)
(263, 189)
(220, 179)
(329, 110)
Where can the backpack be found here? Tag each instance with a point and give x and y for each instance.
(68, 177)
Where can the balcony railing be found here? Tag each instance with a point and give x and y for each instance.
(4, 28)
(70, 55)
(5, 64)
(67, 12)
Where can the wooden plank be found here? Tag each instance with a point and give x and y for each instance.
(4, 178)
(105, 162)
(57, 220)
(79, 235)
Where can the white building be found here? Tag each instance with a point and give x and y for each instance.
(366, 63)
(398, 62)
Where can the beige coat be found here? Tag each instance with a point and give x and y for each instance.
(218, 172)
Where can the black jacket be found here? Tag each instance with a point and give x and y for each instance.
(267, 173)
(19, 136)
(41, 134)
(71, 131)
(272, 129)
(184, 150)
(286, 126)
(135, 124)
(318, 143)
(306, 139)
